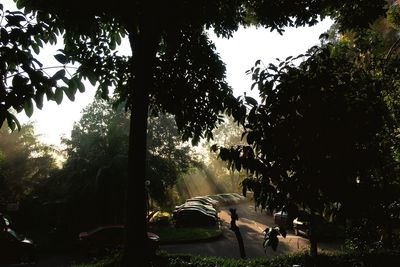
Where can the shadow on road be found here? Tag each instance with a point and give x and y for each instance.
(252, 223)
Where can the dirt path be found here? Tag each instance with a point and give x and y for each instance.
(252, 223)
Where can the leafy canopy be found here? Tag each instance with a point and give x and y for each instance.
(323, 127)
(189, 78)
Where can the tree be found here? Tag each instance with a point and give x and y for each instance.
(226, 134)
(24, 163)
(378, 216)
(168, 158)
(171, 34)
(96, 163)
(323, 127)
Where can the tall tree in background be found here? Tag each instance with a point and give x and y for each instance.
(193, 87)
(227, 134)
(97, 156)
(24, 163)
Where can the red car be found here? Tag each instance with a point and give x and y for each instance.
(104, 238)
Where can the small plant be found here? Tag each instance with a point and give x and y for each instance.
(271, 237)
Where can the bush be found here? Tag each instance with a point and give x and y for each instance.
(372, 259)
(161, 218)
(171, 235)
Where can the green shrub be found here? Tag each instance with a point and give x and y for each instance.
(161, 218)
(185, 234)
(371, 259)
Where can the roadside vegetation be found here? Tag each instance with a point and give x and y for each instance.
(172, 235)
(162, 224)
(342, 259)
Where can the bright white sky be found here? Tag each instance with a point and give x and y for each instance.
(239, 54)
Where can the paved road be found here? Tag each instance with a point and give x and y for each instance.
(251, 223)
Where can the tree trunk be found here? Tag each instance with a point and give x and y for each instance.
(144, 43)
(387, 236)
(236, 230)
(233, 181)
(313, 236)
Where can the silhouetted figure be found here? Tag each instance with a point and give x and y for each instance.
(235, 229)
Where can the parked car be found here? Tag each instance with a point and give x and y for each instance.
(230, 199)
(301, 225)
(241, 197)
(15, 248)
(193, 217)
(205, 200)
(281, 218)
(196, 204)
(217, 198)
(201, 208)
(324, 229)
(104, 238)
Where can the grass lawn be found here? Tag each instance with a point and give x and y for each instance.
(170, 234)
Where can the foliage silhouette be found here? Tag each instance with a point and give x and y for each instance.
(92, 31)
(323, 127)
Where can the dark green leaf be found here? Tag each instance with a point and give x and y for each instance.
(251, 101)
(39, 100)
(73, 84)
(11, 124)
(14, 20)
(4, 36)
(113, 44)
(253, 85)
(19, 82)
(81, 86)
(20, 4)
(58, 95)
(118, 38)
(37, 62)
(59, 74)
(70, 93)
(214, 148)
(92, 78)
(61, 58)
(28, 107)
(66, 80)
(35, 48)
(12, 121)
